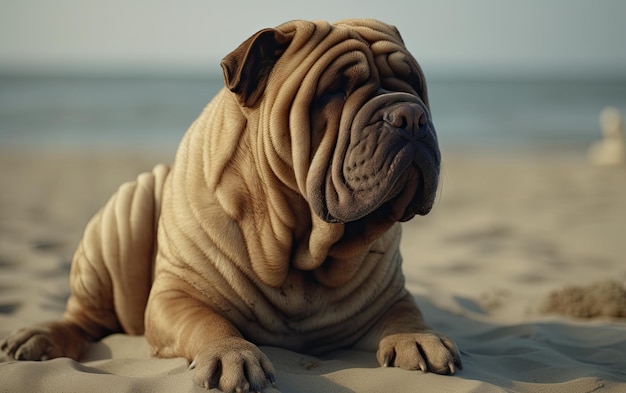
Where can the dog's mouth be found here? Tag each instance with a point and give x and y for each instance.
(388, 164)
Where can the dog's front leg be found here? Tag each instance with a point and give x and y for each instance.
(180, 324)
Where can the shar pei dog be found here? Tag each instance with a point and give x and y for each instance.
(278, 222)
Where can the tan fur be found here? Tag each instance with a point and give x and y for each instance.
(241, 254)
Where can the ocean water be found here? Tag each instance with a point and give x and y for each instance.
(151, 112)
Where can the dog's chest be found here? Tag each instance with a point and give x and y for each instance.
(300, 296)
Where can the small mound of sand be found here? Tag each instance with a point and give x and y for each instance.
(601, 299)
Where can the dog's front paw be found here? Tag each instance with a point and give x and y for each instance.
(426, 351)
(46, 341)
(233, 365)
(34, 343)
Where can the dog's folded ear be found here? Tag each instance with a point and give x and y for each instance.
(246, 69)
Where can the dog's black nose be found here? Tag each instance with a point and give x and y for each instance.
(412, 119)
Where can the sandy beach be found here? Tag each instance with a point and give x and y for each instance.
(509, 229)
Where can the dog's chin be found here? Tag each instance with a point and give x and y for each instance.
(411, 199)
(408, 196)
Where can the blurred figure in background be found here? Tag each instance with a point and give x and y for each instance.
(611, 150)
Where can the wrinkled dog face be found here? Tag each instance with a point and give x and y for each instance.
(375, 142)
(350, 103)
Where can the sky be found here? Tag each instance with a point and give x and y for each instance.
(524, 37)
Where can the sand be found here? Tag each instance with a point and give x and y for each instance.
(511, 232)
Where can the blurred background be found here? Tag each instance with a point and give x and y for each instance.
(134, 74)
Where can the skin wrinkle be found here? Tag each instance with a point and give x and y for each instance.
(199, 292)
(373, 170)
(86, 295)
(124, 240)
(155, 218)
(196, 243)
(107, 261)
(290, 97)
(320, 51)
(88, 287)
(346, 125)
(223, 287)
(272, 186)
(296, 69)
(104, 278)
(389, 297)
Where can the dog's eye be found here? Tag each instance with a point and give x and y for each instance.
(336, 91)
(406, 75)
(335, 94)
